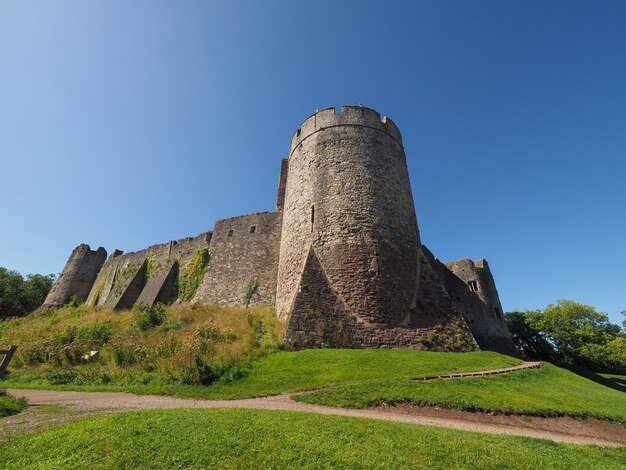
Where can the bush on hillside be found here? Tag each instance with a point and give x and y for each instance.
(149, 316)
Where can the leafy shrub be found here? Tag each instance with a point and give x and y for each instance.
(149, 316)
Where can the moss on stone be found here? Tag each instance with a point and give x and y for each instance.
(150, 267)
(191, 274)
(101, 282)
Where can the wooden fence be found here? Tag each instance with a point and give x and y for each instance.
(8, 355)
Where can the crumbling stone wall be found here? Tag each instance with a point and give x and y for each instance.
(145, 276)
(473, 290)
(78, 276)
(244, 252)
(348, 196)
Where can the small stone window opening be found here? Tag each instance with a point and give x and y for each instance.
(253, 229)
(498, 312)
(473, 286)
(312, 218)
(230, 233)
(374, 266)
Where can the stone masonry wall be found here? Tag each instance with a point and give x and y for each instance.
(78, 276)
(244, 250)
(348, 195)
(473, 290)
(159, 283)
(320, 319)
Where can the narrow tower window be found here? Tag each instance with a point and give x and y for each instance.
(312, 217)
(473, 286)
(230, 233)
(252, 228)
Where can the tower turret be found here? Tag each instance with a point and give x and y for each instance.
(349, 211)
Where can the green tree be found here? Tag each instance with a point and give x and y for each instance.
(570, 332)
(528, 339)
(570, 326)
(19, 296)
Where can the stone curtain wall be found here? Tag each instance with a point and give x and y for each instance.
(78, 276)
(244, 251)
(120, 283)
(348, 196)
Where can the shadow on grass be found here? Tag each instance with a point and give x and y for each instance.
(617, 383)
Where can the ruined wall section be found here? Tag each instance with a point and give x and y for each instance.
(146, 276)
(78, 276)
(244, 253)
(473, 289)
(282, 184)
(348, 196)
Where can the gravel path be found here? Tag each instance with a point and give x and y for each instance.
(555, 429)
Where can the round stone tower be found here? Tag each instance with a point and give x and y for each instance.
(349, 228)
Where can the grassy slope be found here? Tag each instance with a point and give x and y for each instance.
(296, 371)
(192, 345)
(272, 439)
(546, 391)
(193, 339)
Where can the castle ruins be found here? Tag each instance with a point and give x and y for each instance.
(340, 258)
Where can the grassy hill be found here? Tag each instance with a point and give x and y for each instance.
(210, 352)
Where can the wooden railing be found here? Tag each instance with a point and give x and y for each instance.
(8, 355)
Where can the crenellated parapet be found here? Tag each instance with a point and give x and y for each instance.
(358, 116)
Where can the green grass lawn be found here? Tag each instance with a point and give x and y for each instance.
(618, 382)
(295, 371)
(10, 405)
(363, 378)
(547, 391)
(278, 439)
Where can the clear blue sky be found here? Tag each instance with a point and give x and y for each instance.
(124, 124)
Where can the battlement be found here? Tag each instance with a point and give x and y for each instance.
(349, 116)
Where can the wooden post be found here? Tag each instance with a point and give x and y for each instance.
(8, 355)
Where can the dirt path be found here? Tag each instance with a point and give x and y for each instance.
(557, 429)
